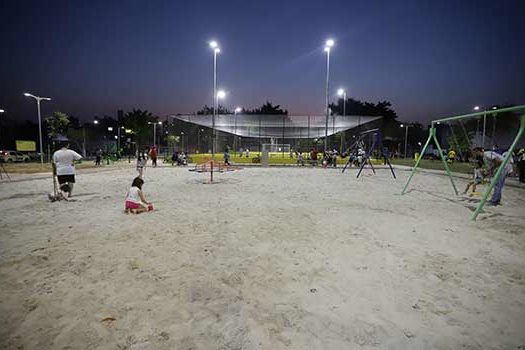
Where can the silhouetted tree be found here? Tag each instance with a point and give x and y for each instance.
(267, 108)
(137, 121)
(206, 110)
(56, 124)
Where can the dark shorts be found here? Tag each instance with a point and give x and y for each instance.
(66, 178)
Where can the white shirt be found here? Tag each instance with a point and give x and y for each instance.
(63, 158)
(489, 156)
(133, 195)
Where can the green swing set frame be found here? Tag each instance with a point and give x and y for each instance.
(432, 136)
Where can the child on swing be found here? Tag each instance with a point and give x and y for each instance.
(135, 201)
(477, 178)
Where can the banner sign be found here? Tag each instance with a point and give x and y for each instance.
(25, 146)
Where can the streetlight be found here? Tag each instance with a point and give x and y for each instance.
(406, 126)
(220, 95)
(95, 122)
(328, 45)
(342, 93)
(477, 108)
(216, 50)
(1, 111)
(38, 99)
(155, 132)
(237, 110)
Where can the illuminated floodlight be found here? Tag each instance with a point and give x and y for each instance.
(341, 92)
(238, 110)
(221, 94)
(330, 43)
(213, 44)
(476, 108)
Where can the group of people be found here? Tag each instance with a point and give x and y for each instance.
(485, 163)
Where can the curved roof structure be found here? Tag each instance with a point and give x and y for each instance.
(258, 125)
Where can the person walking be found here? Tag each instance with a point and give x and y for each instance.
(153, 156)
(98, 157)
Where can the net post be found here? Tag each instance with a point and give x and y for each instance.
(430, 134)
(445, 163)
(500, 169)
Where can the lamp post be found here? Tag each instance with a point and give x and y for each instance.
(406, 126)
(216, 50)
(155, 132)
(220, 95)
(328, 45)
(342, 93)
(237, 110)
(1, 111)
(477, 108)
(199, 140)
(38, 99)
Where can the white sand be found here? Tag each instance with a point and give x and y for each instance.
(267, 259)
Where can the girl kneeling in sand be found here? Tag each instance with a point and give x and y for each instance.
(135, 201)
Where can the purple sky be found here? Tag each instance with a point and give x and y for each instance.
(429, 58)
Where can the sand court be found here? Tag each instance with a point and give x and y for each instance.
(266, 258)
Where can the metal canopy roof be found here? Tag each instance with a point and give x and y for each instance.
(278, 126)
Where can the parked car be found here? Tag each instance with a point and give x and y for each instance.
(13, 156)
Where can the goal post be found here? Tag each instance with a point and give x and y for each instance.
(506, 159)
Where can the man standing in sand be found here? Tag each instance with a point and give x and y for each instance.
(63, 160)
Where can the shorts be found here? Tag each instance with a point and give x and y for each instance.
(133, 205)
(478, 180)
(62, 179)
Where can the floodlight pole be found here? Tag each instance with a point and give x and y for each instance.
(215, 104)
(327, 49)
(406, 140)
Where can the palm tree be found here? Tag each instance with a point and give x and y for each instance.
(138, 122)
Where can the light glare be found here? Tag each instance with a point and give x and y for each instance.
(330, 42)
(221, 94)
(341, 92)
(213, 44)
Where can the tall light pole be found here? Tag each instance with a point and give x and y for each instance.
(155, 132)
(406, 126)
(216, 51)
(237, 110)
(477, 108)
(1, 111)
(38, 99)
(328, 45)
(342, 93)
(220, 95)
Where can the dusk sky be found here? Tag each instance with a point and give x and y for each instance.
(429, 58)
